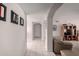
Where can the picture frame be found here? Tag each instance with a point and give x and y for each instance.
(14, 17)
(54, 27)
(3, 9)
(21, 21)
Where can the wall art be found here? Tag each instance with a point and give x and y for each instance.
(14, 17)
(21, 21)
(2, 12)
(54, 27)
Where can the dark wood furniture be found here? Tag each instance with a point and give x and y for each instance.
(69, 32)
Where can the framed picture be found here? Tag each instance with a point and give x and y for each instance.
(2, 12)
(14, 17)
(54, 27)
(21, 21)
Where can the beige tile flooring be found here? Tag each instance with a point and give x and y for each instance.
(37, 48)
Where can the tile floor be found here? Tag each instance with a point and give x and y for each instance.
(37, 48)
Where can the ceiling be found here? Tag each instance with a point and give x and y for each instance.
(30, 8)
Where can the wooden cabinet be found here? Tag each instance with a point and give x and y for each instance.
(69, 32)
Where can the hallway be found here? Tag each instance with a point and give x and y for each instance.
(37, 48)
(19, 24)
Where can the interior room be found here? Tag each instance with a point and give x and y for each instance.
(66, 27)
(39, 29)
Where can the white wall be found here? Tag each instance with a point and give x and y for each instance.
(12, 36)
(38, 18)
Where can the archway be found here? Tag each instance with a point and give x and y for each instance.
(49, 41)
